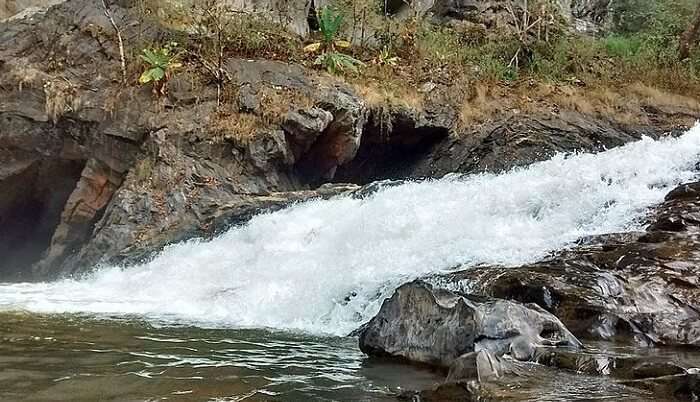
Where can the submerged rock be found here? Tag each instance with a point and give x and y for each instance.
(463, 391)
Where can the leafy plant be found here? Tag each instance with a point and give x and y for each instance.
(334, 61)
(385, 58)
(160, 64)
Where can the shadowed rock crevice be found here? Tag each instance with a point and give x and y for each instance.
(31, 203)
(391, 147)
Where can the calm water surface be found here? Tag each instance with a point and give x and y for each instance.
(79, 358)
(70, 358)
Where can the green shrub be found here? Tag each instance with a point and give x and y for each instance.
(335, 62)
(623, 46)
(331, 59)
(160, 63)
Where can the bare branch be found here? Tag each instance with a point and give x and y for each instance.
(119, 38)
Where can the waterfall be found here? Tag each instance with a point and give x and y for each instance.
(325, 266)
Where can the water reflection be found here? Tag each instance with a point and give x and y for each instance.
(79, 359)
(73, 358)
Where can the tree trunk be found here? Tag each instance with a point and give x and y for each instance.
(690, 37)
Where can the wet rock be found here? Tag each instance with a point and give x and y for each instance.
(683, 387)
(623, 366)
(640, 287)
(519, 140)
(423, 324)
(482, 365)
(465, 391)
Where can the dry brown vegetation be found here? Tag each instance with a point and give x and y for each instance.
(474, 68)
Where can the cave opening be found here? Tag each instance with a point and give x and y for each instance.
(393, 7)
(312, 18)
(390, 150)
(31, 203)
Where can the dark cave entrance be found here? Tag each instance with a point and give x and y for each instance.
(31, 203)
(393, 7)
(312, 18)
(391, 148)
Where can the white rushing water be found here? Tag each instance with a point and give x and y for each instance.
(325, 266)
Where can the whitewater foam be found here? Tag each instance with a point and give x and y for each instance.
(326, 266)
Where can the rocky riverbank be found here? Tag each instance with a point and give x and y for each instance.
(631, 289)
(131, 173)
(98, 171)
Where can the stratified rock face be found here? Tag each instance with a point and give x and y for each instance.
(150, 175)
(422, 324)
(317, 139)
(93, 192)
(18, 8)
(645, 286)
(520, 140)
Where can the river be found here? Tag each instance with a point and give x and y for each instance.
(263, 312)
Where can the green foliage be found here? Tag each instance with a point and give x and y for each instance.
(647, 31)
(331, 59)
(160, 63)
(623, 46)
(329, 22)
(386, 58)
(661, 18)
(335, 62)
(567, 59)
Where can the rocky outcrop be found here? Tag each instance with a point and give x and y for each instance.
(93, 192)
(519, 140)
(591, 15)
(642, 286)
(434, 326)
(151, 174)
(584, 15)
(636, 289)
(134, 173)
(21, 8)
(399, 143)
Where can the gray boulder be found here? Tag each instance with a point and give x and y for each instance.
(423, 324)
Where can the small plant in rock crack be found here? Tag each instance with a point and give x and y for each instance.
(334, 61)
(385, 58)
(160, 64)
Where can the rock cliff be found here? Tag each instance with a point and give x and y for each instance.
(130, 172)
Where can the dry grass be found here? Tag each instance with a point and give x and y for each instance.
(480, 105)
(23, 74)
(61, 98)
(654, 96)
(378, 95)
(276, 102)
(239, 128)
